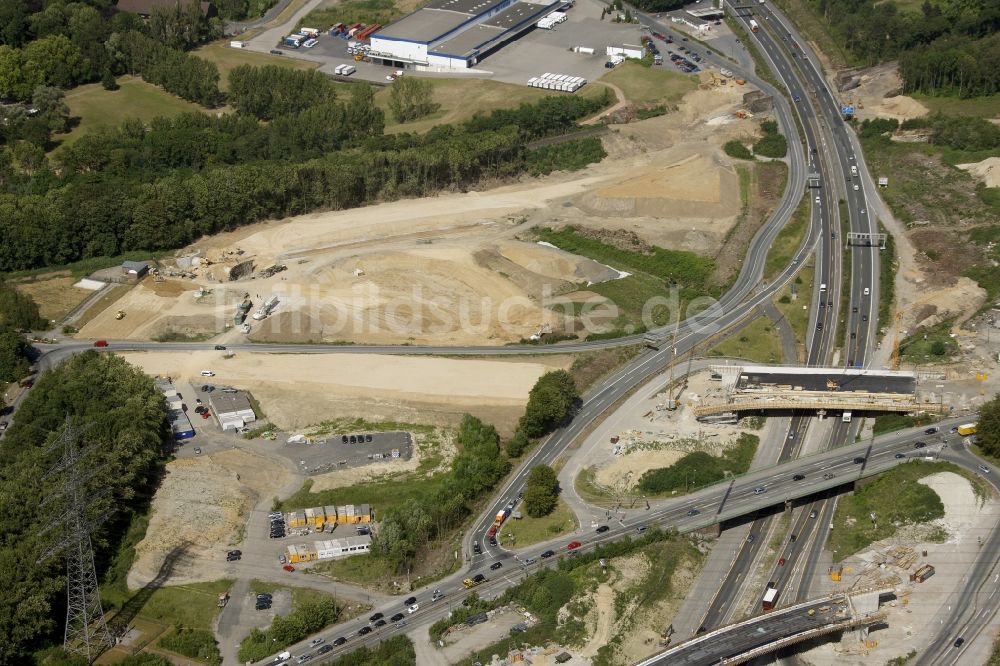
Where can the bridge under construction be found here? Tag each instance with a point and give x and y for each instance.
(787, 388)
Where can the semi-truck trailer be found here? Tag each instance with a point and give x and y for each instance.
(770, 597)
(753, 26)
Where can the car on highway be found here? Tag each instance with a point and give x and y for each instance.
(340, 641)
(798, 477)
(493, 541)
(303, 658)
(376, 616)
(496, 565)
(919, 445)
(479, 578)
(751, 538)
(858, 460)
(378, 623)
(547, 554)
(400, 624)
(828, 476)
(477, 549)
(797, 98)
(781, 561)
(602, 529)
(325, 649)
(867, 291)
(316, 641)
(817, 199)
(410, 601)
(984, 469)
(364, 630)
(792, 538)
(693, 512)
(959, 641)
(573, 545)
(930, 431)
(819, 326)
(899, 455)
(813, 513)
(396, 618)
(413, 609)
(759, 490)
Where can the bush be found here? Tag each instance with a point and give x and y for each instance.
(517, 444)
(736, 149)
(566, 156)
(194, 643)
(772, 145)
(699, 469)
(550, 403)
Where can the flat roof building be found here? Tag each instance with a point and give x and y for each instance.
(456, 34)
(233, 410)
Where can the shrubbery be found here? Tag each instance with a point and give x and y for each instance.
(308, 617)
(772, 144)
(735, 148)
(697, 469)
(194, 643)
(566, 156)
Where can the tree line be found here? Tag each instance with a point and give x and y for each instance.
(98, 206)
(947, 47)
(177, 72)
(125, 439)
(270, 92)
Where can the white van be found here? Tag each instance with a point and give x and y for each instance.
(283, 656)
(822, 287)
(207, 373)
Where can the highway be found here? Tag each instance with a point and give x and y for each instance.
(833, 470)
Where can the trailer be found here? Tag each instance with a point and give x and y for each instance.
(294, 41)
(770, 598)
(753, 26)
(311, 33)
(369, 31)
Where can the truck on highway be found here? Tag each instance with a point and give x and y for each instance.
(967, 429)
(753, 26)
(468, 583)
(846, 418)
(770, 597)
(854, 170)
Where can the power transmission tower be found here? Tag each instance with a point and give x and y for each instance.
(86, 632)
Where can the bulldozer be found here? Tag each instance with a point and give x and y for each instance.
(120, 315)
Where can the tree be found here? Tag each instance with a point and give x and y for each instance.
(16, 80)
(988, 427)
(56, 59)
(13, 355)
(518, 444)
(411, 98)
(541, 491)
(550, 403)
(52, 108)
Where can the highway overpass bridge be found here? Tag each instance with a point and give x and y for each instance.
(787, 388)
(758, 636)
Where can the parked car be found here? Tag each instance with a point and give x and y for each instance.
(205, 414)
(693, 512)
(234, 555)
(930, 431)
(899, 455)
(316, 641)
(289, 568)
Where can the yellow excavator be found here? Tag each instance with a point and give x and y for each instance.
(120, 314)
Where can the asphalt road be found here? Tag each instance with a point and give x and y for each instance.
(725, 501)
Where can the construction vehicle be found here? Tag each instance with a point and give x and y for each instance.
(740, 82)
(120, 315)
(469, 583)
(770, 597)
(223, 599)
(967, 429)
(922, 574)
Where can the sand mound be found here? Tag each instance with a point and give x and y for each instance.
(555, 263)
(616, 473)
(987, 171)
(961, 507)
(901, 108)
(198, 510)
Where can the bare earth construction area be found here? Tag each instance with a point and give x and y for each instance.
(456, 269)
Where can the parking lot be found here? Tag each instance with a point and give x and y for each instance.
(333, 453)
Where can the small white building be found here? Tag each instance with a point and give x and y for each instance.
(344, 547)
(233, 410)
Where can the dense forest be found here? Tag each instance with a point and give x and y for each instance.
(948, 47)
(161, 187)
(125, 438)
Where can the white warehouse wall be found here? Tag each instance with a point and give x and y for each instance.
(400, 49)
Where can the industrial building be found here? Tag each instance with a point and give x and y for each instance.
(232, 409)
(180, 424)
(329, 549)
(456, 34)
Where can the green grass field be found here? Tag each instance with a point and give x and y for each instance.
(98, 108)
(797, 312)
(650, 85)
(897, 499)
(460, 99)
(984, 107)
(788, 240)
(757, 342)
(193, 606)
(227, 59)
(528, 531)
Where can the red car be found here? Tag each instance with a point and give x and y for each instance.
(205, 415)
(288, 567)
(573, 545)
(781, 562)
